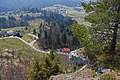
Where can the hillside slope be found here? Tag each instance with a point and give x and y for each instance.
(85, 74)
(15, 4)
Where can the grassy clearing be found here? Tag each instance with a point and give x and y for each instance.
(34, 24)
(3, 16)
(21, 49)
(28, 38)
(14, 28)
(78, 16)
(76, 13)
(36, 45)
(12, 43)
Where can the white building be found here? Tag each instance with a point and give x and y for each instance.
(10, 32)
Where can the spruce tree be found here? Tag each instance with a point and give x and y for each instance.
(105, 18)
(100, 39)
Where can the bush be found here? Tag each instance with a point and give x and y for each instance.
(107, 77)
(42, 70)
(93, 73)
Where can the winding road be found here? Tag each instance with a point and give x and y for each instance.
(31, 44)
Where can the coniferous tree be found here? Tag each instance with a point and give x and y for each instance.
(105, 18)
(100, 39)
(34, 31)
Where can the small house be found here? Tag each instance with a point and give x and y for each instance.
(10, 32)
(2, 34)
(18, 34)
(65, 50)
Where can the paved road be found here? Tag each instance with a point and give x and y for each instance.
(31, 44)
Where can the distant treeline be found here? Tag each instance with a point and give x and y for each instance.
(11, 21)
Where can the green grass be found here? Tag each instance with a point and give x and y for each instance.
(3, 16)
(12, 43)
(28, 38)
(36, 45)
(14, 28)
(21, 48)
(34, 24)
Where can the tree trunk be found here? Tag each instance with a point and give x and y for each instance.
(114, 39)
(115, 31)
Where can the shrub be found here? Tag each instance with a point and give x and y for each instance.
(42, 70)
(93, 73)
(107, 77)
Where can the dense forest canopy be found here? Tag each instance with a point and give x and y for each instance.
(55, 33)
(11, 21)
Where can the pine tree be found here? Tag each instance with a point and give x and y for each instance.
(45, 34)
(43, 70)
(64, 38)
(34, 31)
(105, 18)
(52, 55)
(100, 39)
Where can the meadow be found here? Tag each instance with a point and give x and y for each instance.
(21, 49)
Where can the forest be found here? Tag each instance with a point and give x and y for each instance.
(55, 32)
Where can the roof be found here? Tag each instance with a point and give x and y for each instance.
(65, 49)
(10, 32)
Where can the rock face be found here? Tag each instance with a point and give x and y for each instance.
(79, 60)
(79, 75)
(85, 74)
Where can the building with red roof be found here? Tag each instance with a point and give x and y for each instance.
(65, 50)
